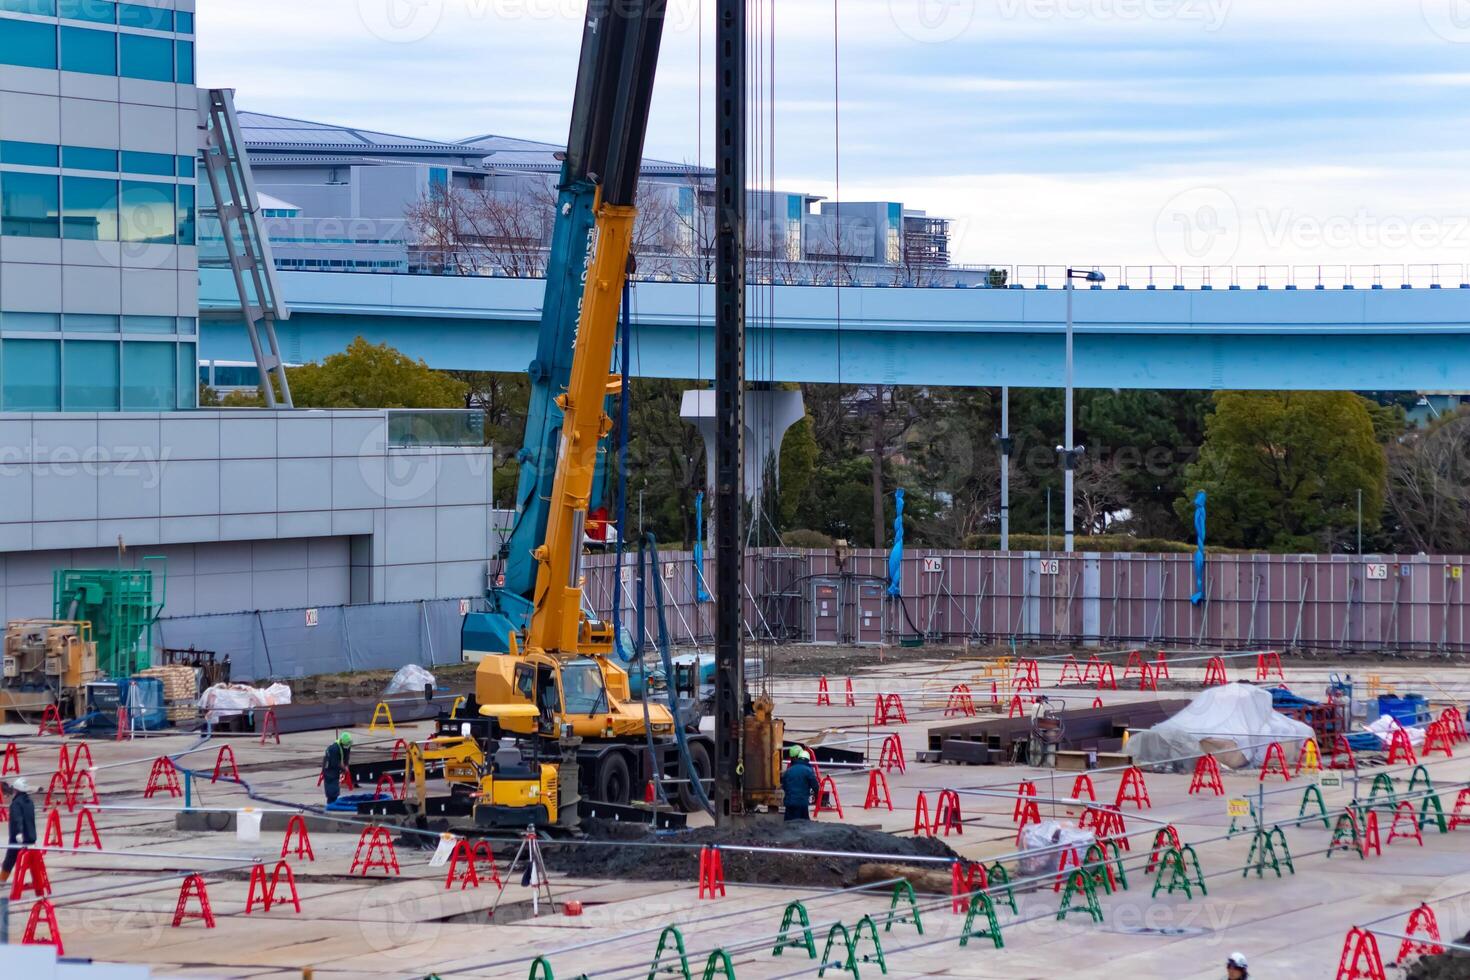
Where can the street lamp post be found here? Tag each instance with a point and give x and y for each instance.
(1069, 450)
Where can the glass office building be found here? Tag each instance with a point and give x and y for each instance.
(99, 135)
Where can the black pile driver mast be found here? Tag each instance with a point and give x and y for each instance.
(729, 515)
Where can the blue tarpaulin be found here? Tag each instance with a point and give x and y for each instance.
(895, 557)
(1199, 552)
(700, 593)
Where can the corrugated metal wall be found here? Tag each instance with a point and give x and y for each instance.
(1323, 602)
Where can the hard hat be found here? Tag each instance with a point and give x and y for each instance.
(796, 752)
(20, 785)
(345, 738)
(1236, 960)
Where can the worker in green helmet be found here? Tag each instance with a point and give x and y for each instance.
(799, 785)
(334, 764)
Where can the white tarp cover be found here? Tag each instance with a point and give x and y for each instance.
(1235, 721)
(410, 679)
(223, 700)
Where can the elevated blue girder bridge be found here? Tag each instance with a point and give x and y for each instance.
(1334, 338)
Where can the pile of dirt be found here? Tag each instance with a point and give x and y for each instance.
(623, 850)
(1452, 964)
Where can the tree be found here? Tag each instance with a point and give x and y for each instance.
(373, 376)
(504, 397)
(1283, 469)
(1429, 487)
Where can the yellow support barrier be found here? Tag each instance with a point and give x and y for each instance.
(382, 711)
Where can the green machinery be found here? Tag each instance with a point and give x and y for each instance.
(122, 604)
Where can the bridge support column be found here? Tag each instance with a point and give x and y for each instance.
(768, 414)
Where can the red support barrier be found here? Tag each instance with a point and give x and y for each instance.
(393, 792)
(921, 816)
(1133, 790)
(1268, 663)
(67, 798)
(1062, 860)
(1422, 921)
(947, 813)
(823, 695)
(1461, 813)
(85, 821)
(260, 890)
(965, 879)
(1147, 681)
(1274, 763)
(1360, 958)
(1165, 837)
(1455, 722)
(283, 867)
(482, 852)
(890, 757)
(877, 791)
(1093, 664)
(297, 825)
(1161, 665)
(1017, 709)
(193, 887)
(30, 872)
(1030, 814)
(52, 836)
(375, 847)
(1437, 739)
(1027, 675)
(711, 873)
(1341, 756)
(880, 711)
(400, 750)
(1215, 672)
(51, 719)
(1404, 812)
(1071, 666)
(823, 788)
(895, 703)
(43, 911)
(1135, 662)
(12, 760)
(270, 727)
(1097, 702)
(1083, 781)
(163, 776)
(1206, 776)
(1026, 790)
(76, 759)
(1400, 749)
(467, 878)
(960, 702)
(226, 754)
(63, 761)
(1105, 679)
(851, 698)
(1371, 839)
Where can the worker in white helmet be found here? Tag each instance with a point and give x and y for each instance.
(1235, 967)
(21, 832)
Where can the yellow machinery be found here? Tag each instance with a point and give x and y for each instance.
(47, 661)
(506, 790)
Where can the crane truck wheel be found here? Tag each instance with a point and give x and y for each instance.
(614, 783)
(699, 758)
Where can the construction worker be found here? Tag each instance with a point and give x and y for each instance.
(334, 764)
(1235, 967)
(799, 784)
(22, 826)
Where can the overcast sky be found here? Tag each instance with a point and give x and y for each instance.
(1053, 131)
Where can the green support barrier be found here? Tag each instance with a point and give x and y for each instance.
(876, 956)
(1418, 773)
(663, 938)
(1116, 850)
(996, 876)
(1431, 801)
(795, 912)
(1383, 781)
(1172, 876)
(981, 905)
(849, 962)
(1095, 863)
(541, 963)
(1276, 837)
(1188, 852)
(1314, 792)
(904, 891)
(1346, 829)
(1079, 880)
(721, 960)
(1262, 851)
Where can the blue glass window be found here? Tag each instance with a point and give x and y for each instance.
(96, 11)
(145, 57)
(89, 158)
(41, 8)
(93, 52)
(31, 322)
(438, 177)
(30, 205)
(153, 164)
(27, 43)
(184, 61)
(188, 383)
(90, 376)
(184, 22)
(89, 208)
(188, 326)
(150, 375)
(150, 18)
(30, 375)
(27, 154)
(186, 167)
(91, 323)
(147, 212)
(150, 324)
(186, 215)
